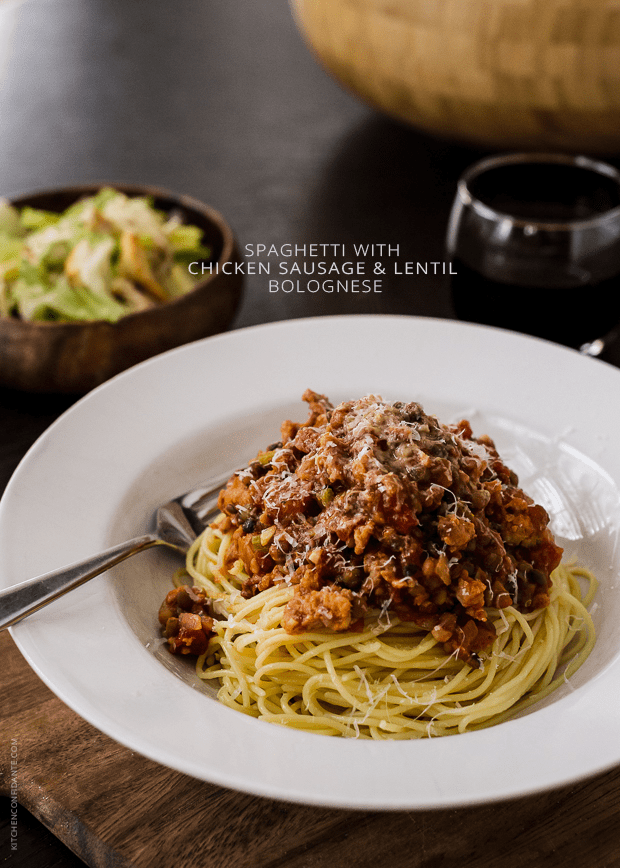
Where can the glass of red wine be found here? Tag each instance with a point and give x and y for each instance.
(534, 240)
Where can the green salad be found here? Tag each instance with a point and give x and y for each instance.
(104, 257)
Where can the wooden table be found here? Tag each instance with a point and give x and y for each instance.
(115, 808)
(221, 99)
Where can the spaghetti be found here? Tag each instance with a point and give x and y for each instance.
(377, 573)
(391, 679)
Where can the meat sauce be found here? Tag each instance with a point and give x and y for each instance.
(377, 507)
(185, 620)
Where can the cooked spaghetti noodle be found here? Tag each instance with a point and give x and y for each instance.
(390, 679)
(377, 573)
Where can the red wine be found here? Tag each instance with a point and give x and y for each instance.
(565, 313)
(536, 247)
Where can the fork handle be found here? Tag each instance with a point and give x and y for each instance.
(29, 596)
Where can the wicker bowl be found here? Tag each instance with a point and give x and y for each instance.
(500, 73)
(74, 357)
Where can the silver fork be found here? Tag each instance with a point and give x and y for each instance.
(177, 524)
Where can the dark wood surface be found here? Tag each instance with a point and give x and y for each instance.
(220, 99)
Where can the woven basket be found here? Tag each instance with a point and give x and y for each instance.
(501, 73)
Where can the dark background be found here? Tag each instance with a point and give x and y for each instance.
(222, 100)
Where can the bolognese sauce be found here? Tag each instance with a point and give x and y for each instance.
(372, 505)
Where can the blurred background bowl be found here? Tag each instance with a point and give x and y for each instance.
(74, 357)
(499, 73)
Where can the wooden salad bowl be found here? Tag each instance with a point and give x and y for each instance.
(500, 73)
(74, 357)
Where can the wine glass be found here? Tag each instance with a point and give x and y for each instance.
(534, 240)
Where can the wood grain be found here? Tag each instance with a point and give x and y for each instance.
(115, 808)
(504, 73)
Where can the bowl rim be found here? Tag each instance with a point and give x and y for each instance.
(229, 246)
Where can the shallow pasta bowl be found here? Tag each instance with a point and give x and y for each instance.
(117, 454)
(73, 357)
